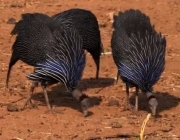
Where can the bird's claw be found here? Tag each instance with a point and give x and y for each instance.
(53, 111)
(128, 106)
(30, 104)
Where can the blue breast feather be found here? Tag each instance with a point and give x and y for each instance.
(60, 70)
(143, 67)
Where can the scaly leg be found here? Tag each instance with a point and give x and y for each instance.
(97, 62)
(46, 97)
(136, 99)
(128, 105)
(29, 101)
(50, 110)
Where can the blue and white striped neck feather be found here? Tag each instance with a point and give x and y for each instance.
(66, 64)
(144, 60)
(60, 71)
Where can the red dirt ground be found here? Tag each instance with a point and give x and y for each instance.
(35, 124)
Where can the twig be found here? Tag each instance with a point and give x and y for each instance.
(6, 104)
(5, 54)
(125, 135)
(176, 74)
(16, 138)
(143, 127)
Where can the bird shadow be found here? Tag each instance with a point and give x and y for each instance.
(90, 83)
(58, 96)
(166, 101)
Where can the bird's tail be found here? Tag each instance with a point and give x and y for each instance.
(132, 21)
(29, 18)
(13, 60)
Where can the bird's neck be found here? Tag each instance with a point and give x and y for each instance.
(149, 95)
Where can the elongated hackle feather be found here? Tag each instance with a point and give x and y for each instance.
(138, 52)
(55, 51)
(87, 25)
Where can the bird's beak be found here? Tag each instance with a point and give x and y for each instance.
(153, 111)
(85, 104)
(84, 111)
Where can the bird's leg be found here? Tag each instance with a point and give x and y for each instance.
(97, 73)
(50, 110)
(34, 84)
(46, 97)
(136, 99)
(128, 105)
(29, 101)
(97, 62)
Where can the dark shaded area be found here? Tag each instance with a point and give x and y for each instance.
(96, 83)
(58, 96)
(61, 98)
(85, 84)
(166, 101)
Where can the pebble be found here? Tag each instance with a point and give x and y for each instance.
(11, 21)
(12, 108)
(113, 102)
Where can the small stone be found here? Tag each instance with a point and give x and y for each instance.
(103, 25)
(74, 137)
(22, 87)
(113, 102)
(57, 136)
(11, 21)
(12, 108)
(16, 5)
(116, 125)
(166, 129)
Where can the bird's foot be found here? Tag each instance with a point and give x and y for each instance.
(135, 111)
(29, 104)
(128, 106)
(132, 108)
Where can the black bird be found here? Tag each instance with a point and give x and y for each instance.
(55, 52)
(24, 45)
(139, 54)
(87, 25)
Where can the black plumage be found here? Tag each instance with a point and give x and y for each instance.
(139, 53)
(24, 45)
(87, 25)
(55, 52)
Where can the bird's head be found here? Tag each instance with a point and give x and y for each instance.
(153, 103)
(83, 99)
(85, 104)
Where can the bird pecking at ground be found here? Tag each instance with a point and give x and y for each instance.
(53, 50)
(87, 25)
(139, 54)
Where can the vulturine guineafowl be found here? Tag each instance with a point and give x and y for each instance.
(55, 52)
(139, 54)
(25, 47)
(87, 25)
